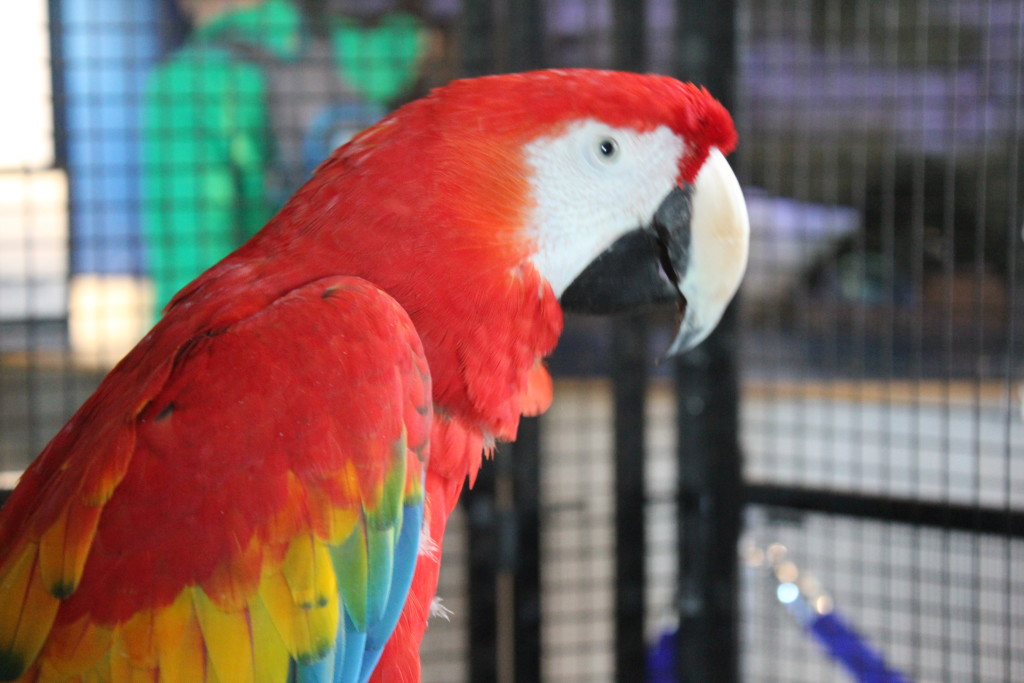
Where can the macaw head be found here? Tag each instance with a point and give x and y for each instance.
(613, 185)
(493, 203)
(633, 203)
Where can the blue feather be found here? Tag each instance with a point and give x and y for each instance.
(406, 552)
(349, 659)
(320, 671)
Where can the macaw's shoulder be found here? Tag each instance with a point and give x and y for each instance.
(261, 483)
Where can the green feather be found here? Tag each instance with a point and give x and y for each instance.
(388, 511)
(350, 565)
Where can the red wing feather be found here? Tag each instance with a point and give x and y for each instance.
(188, 505)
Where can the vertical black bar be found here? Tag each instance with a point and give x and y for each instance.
(526, 635)
(629, 390)
(504, 507)
(629, 34)
(484, 547)
(524, 26)
(477, 58)
(706, 45)
(524, 23)
(477, 44)
(709, 508)
(59, 108)
(710, 468)
(57, 82)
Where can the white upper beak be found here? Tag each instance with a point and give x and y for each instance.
(717, 254)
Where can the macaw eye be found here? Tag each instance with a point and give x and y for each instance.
(608, 148)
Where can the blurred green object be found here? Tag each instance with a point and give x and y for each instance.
(368, 55)
(219, 149)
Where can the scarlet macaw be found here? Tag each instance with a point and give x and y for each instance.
(258, 491)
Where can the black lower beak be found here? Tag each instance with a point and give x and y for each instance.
(642, 269)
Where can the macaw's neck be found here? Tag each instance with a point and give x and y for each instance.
(486, 323)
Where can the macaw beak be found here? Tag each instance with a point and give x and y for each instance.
(693, 253)
(708, 270)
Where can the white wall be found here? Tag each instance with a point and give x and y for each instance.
(33, 196)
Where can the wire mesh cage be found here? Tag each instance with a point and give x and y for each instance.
(879, 340)
(882, 342)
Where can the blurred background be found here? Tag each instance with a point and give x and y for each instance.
(830, 489)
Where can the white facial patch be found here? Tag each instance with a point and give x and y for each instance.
(592, 184)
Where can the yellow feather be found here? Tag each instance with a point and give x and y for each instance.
(27, 609)
(275, 600)
(132, 652)
(180, 650)
(326, 580)
(323, 617)
(170, 623)
(76, 648)
(302, 599)
(123, 670)
(299, 571)
(49, 676)
(310, 575)
(43, 671)
(105, 474)
(333, 523)
(101, 673)
(135, 641)
(270, 654)
(227, 637)
(341, 521)
(234, 582)
(323, 628)
(141, 676)
(64, 546)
